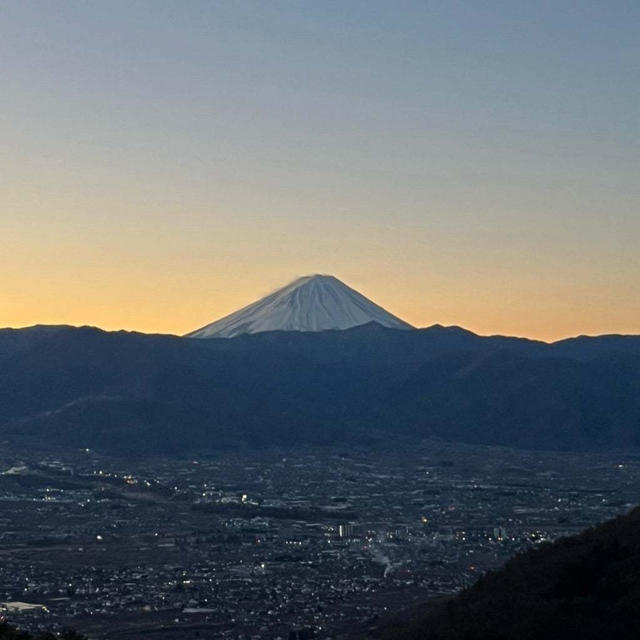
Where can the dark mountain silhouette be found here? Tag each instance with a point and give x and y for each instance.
(505, 398)
(131, 391)
(14, 340)
(585, 587)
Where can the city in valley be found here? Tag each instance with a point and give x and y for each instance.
(316, 542)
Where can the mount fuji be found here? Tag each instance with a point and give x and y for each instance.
(310, 303)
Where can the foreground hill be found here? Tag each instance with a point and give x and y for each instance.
(586, 587)
(8, 632)
(128, 391)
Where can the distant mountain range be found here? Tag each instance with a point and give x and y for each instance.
(119, 391)
(585, 587)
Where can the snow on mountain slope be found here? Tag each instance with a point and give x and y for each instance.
(310, 303)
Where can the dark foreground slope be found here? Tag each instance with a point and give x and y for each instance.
(586, 587)
(134, 392)
(8, 632)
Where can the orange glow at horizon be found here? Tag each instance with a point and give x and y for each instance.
(177, 305)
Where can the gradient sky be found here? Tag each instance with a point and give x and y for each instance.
(471, 163)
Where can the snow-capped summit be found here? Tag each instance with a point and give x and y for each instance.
(310, 303)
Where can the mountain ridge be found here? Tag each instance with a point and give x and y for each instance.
(129, 391)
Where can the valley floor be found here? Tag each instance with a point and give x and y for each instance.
(260, 544)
